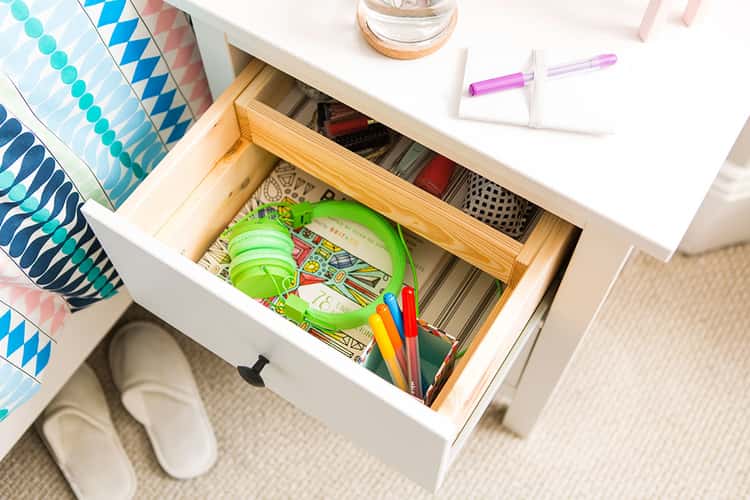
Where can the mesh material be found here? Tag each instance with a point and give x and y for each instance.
(497, 207)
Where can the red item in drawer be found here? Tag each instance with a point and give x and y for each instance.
(337, 128)
(436, 175)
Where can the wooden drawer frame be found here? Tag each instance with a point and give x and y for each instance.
(214, 170)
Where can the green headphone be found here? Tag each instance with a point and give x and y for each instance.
(262, 265)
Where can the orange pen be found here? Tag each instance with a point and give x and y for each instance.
(386, 350)
(392, 329)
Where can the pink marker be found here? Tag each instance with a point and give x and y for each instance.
(520, 80)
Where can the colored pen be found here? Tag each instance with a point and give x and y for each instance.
(520, 80)
(411, 332)
(390, 327)
(386, 350)
(337, 128)
(392, 303)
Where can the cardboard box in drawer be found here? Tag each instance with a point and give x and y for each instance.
(437, 358)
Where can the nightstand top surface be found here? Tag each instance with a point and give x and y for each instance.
(686, 97)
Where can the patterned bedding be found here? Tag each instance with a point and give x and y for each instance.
(93, 94)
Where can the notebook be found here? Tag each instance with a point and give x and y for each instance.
(583, 102)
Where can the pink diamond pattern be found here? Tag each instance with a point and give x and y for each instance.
(152, 7)
(199, 89)
(183, 56)
(165, 20)
(192, 73)
(47, 310)
(58, 321)
(176, 39)
(204, 104)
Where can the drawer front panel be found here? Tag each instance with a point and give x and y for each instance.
(319, 381)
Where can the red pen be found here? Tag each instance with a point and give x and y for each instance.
(349, 126)
(392, 330)
(411, 332)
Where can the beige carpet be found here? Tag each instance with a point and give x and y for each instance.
(656, 404)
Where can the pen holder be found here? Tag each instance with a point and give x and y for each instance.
(437, 352)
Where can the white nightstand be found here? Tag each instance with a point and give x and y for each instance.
(687, 99)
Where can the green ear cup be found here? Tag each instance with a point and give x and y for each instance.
(262, 265)
(261, 257)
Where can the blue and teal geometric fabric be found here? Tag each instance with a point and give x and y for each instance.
(93, 94)
(41, 226)
(97, 79)
(16, 387)
(25, 352)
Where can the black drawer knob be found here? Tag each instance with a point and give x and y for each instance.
(252, 374)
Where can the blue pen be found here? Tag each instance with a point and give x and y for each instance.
(392, 303)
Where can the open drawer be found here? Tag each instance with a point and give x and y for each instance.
(156, 237)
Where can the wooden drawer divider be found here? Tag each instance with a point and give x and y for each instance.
(359, 178)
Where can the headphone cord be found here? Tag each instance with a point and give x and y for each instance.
(413, 268)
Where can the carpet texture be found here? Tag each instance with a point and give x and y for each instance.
(655, 404)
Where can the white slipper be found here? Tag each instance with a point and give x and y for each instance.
(77, 429)
(159, 390)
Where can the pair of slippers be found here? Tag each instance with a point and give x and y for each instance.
(159, 391)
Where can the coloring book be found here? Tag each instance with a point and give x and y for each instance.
(341, 265)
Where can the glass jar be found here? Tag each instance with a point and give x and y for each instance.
(408, 22)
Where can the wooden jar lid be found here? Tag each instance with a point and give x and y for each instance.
(399, 51)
